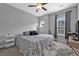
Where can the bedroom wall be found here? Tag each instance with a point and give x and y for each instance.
(78, 11)
(13, 21)
(50, 19)
(44, 29)
(73, 18)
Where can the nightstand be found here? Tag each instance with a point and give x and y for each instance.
(2, 43)
(10, 41)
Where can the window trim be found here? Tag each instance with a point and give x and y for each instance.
(61, 26)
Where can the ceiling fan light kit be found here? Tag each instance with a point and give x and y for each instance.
(39, 6)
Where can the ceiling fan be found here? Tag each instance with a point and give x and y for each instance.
(39, 6)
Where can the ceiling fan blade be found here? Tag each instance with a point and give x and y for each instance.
(44, 3)
(31, 5)
(44, 8)
(37, 10)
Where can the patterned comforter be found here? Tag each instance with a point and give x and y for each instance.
(34, 45)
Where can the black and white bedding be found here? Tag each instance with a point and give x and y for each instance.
(34, 45)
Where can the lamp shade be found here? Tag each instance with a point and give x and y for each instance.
(42, 23)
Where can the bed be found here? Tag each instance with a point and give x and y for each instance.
(35, 44)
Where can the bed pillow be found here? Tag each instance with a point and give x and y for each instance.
(30, 32)
(26, 33)
(33, 32)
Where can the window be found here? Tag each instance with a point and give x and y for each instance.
(61, 24)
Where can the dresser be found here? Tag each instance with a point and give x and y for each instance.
(74, 44)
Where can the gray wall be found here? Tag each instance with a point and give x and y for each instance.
(51, 19)
(78, 11)
(13, 21)
(45, 28)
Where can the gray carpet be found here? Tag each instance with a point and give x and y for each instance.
(59, 49)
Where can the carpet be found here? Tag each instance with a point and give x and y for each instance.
(59, 49)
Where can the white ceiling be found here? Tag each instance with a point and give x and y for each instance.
(51, 7)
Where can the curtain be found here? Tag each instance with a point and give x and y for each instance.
(67, 23)
(55, 30)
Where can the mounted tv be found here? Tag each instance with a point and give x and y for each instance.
(77, 29)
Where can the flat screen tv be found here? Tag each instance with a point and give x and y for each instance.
(77, 28)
